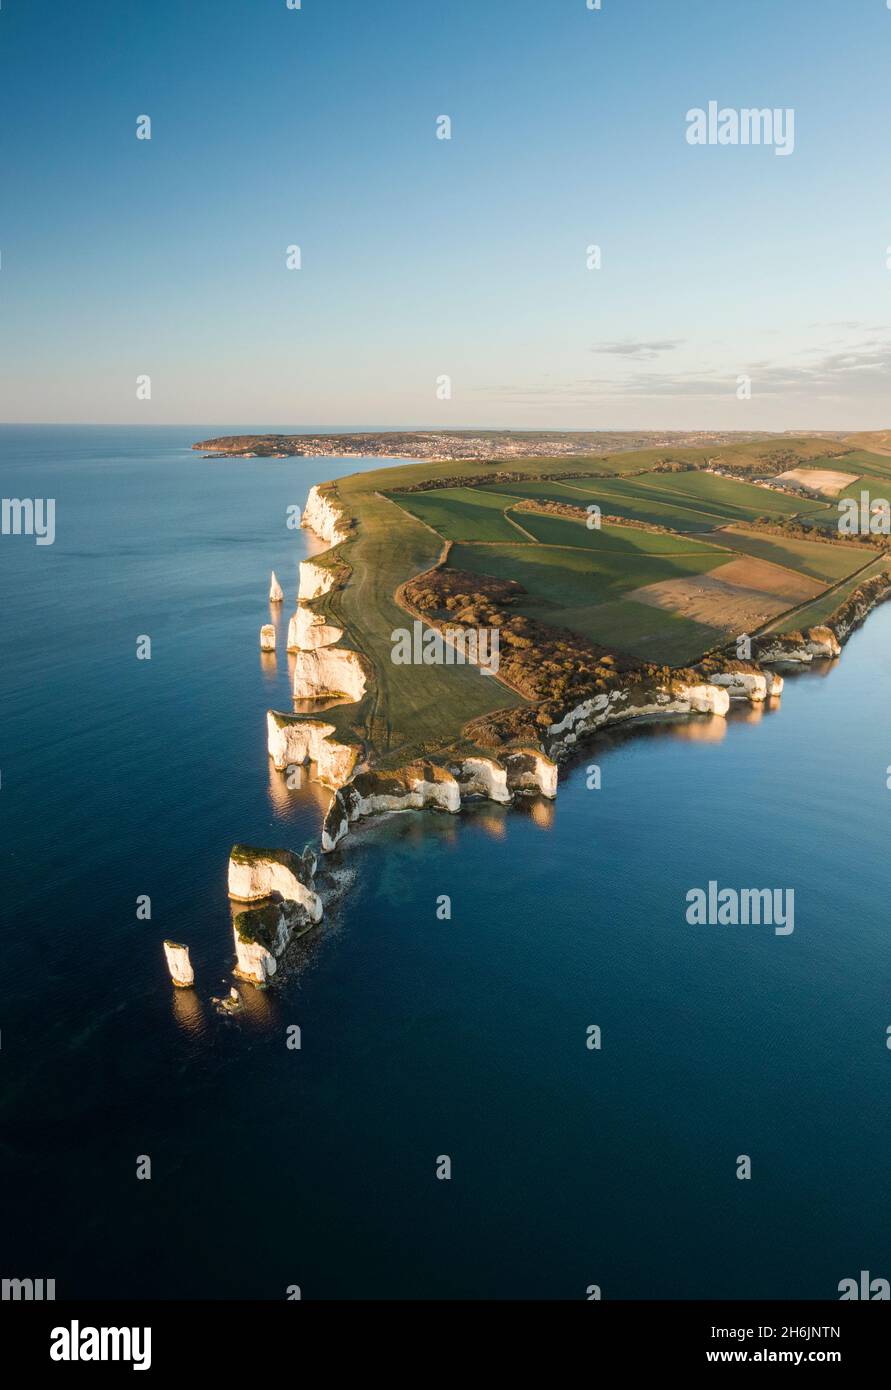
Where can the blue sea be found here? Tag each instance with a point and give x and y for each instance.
(421, 1038)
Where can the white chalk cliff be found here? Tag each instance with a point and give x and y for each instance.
(860, 604)
(321, 670)
(426, 786)
(754, 686)
(618, 705)
(179, 964)
(254, 961)
(822, 642)
(308, 630)
(531, 771)
(294, 740)
(322, 515)
(420, 786)
(328, 672)
(817, 644)
(481, 777)
(276, 592)
(416, 787)
(261, 937)
(257, 874)
(315, 580)
(335, 825)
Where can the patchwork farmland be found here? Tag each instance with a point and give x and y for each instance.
(663, 595)
(693, 549)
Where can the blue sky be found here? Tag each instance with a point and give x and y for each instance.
(424, 257)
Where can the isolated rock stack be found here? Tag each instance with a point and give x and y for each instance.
(179, 964)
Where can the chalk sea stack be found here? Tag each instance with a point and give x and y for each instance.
(179, 964)
(262, 935)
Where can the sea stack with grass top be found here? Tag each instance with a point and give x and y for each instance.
(179, 964)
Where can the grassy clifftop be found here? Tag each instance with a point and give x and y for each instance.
(693, 583)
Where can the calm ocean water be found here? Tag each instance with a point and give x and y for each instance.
(272, 1167)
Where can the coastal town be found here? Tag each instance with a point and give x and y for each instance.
(438, 446)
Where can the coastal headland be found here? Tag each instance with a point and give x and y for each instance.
(615, 586)
(698, 556)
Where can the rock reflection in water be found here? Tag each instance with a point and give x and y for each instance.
(188, 1012)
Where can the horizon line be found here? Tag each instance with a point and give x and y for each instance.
(436, 429)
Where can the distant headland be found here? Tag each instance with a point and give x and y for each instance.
(441, 445)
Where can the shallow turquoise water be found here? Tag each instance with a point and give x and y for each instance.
(420, 1037)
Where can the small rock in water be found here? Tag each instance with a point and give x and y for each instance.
(276, 592)
(267, 638)
(231, 1004)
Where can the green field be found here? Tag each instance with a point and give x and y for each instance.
(629, 627)
(725, 496)
(566, 576)
(619, 497)
(686, 501)
(461, 514)
(583, 590)
(829, 562)
(620, 540)
(858, 462)
(577, 491)
(876, 487)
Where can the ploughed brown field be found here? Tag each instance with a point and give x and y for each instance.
(736, 597)
(826, 480)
